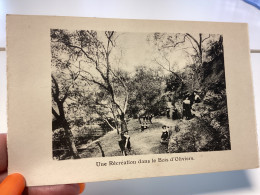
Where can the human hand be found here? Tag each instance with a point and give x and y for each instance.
(14, 184)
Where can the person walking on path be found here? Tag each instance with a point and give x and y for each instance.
(124, 143)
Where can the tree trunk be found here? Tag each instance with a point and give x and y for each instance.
(61, 117)
(123, 124)
(101, 149)
(116, 121)
(70, 140)
(108, 123)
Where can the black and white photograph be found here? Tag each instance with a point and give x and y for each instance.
(130, 93)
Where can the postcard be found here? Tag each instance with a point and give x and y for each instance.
(93, 99)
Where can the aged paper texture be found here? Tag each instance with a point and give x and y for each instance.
(94, 99)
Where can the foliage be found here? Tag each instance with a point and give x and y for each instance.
(145, 90)
(173, 82)
(215, 49)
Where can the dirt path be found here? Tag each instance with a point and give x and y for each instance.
(146, 142)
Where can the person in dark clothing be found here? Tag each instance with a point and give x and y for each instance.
(165, 134)
(168, 112)
(144, 126)
(191, 98)
(144, 118)
(139, 119)
(197, 98)
(124, 143)
(187, 108)
(174, 114)
(150, 117)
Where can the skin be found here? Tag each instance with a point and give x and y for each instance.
(17, 181)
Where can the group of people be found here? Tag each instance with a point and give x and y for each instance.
(173, 115)
(145, 120)
(187, 104)
(125, 144)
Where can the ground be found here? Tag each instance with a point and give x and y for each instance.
(146, 142)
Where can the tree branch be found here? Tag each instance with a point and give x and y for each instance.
(96, 82)
(194, 47)
(126, 103)
(175, 44)
(205, 38)
(197, 43)
(168, 69)
(111, 126)
(55, 92)
(55, 113)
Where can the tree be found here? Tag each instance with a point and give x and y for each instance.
(66, 88)
(174, 80)
(95, 103)
(190, 44)
(146, 88)
(195, 46)
(59, 99)
(94, 50)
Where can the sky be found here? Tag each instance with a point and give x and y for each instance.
(135, 50)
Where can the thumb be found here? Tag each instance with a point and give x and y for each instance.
(13, 184)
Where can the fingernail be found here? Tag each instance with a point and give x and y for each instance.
(81, 187)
